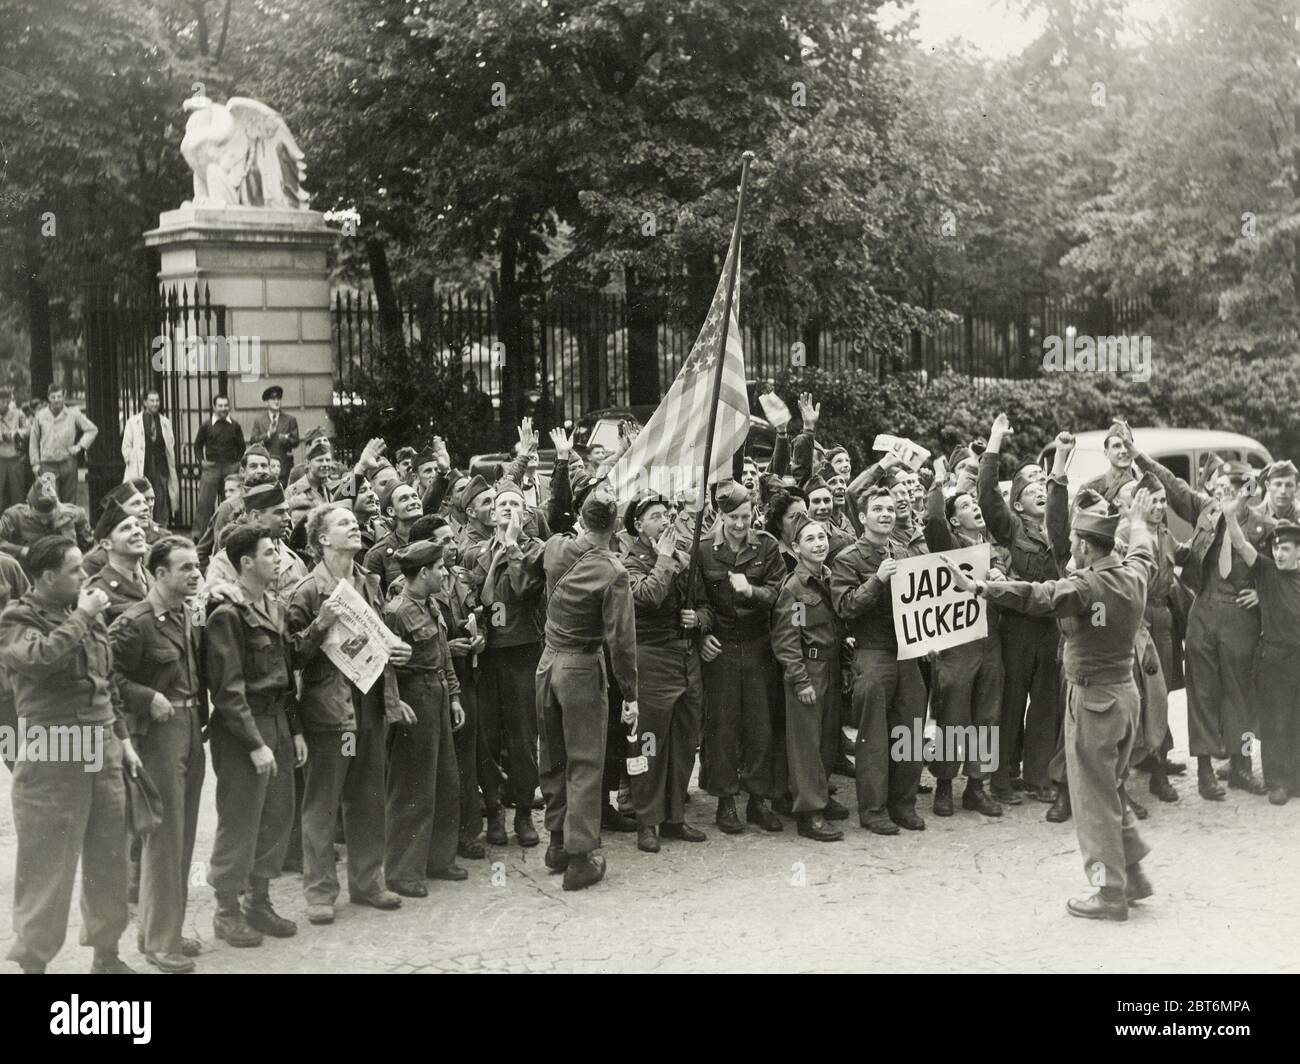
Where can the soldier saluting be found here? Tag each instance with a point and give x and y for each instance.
(1100, 607)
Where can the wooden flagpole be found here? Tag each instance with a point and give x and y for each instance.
(745, 160)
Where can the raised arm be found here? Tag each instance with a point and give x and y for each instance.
(1183, 500)
(938, 536)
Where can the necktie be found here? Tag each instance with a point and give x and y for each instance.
(1225, 552)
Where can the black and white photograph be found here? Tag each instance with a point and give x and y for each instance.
(686, 487)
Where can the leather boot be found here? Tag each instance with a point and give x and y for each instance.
(757, 812)
(1241, 776)
(1160, 785)
(943, 798)
(975, 798)
(228, 923)
(496, 828)
(1108, 903)
(557, 860)
(1136, 884)
(524, 830)
(814, 826)
(260, 916)
(584, 870)
(1061, 810)
(1206, 782)
(647, 839)
(726, 817)
(835, 811)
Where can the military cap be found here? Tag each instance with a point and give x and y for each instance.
(1286, 532)
(1117, 428)
(1087, 499)
(831, 452)
(731, 496)
(800, 523)
(112, 516)
(476, 487)
(1283, 468)
(640, 503)
(1097, 524)
(598, 512)
(273, 392)
(425, 457)
(1238, 471)
(506, 485)
(258, 449)
(380, 465)
(263, 496)
(121, 493)
(318, 448)
(420, 553)
(1149, 482)
(386, 496)
(403, 453)
(1021, 481)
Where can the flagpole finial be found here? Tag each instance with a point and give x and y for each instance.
(747, 155)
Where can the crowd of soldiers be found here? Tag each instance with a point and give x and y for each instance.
(550, 636)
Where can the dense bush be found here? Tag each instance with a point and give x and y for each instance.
(1258, 398)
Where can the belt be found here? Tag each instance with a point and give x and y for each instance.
(813, 653)
(185, 703)
(586, 648)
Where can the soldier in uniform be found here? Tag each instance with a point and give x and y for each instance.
(806, 635)
(24, 523)
(1279, 481)
(887, 693)
(254, 463)
(320, 460)
(256, 743)
(1120, 457)
(55, 649)
(507, 575)
(1277, 665)
(124, 577)
(742, 570)
(589, 606)
(138, 502)
(969, 677)
(821, 507)
(1103, 706)
(344, 726)
(423, 804)
(264, 505)
(1222, 628)
(670, 696)
(156, 659)
(1029, 643)
(400, 504)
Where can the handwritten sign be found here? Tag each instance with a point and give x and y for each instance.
(774, 409)
(914, 456)
(931, 614)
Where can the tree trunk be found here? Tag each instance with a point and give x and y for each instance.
(508, 319)
(38, 319)
(642, 340)
(390, 311)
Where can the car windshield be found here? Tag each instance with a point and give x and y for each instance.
(1084, 465)
(604, 433)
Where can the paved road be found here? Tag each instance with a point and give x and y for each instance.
(967, 894)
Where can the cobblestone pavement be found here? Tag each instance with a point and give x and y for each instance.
(967, 894)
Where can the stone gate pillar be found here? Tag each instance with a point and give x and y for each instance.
(268, 267)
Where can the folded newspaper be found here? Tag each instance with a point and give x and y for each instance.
(358, 642)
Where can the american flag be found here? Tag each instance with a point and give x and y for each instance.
(668, 454)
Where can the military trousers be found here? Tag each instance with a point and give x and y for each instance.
(172, 752)
(1277, 693)
(812, 734)
(466, 742)
(1031, 671)
(344, 769)
(1220, 653)
(507, 706)
(422, 805)
(63, 815)
(670, 699)
(254, 812)
(968, 695)
(889, 701)
(1101, 728)
(572, 711)
(740, 685)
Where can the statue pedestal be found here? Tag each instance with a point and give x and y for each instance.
(268, 267)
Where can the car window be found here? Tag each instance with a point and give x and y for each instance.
(1085, 465)
(1257, 459)
(1179, 464)
(604, 434)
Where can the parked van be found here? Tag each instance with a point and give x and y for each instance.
(1184, 452)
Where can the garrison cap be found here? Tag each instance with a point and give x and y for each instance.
(403, 453)
(814, 483)
(598, 512)
(640, 503)
(319, 448)
(273, 392)
(112, 516)
(424, 457)
(800, 523)
(1087, 499)
(420, 553)
(506, 486)
(263, 496)
(386, 496)
(1149, 482)
(1021, 481)
(1283, 468)
(1097, 524)
(476, 487)
(1117, 428)
(731, 496)
(258, 449)
(121, 493)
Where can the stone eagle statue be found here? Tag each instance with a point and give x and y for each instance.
(242, 155)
